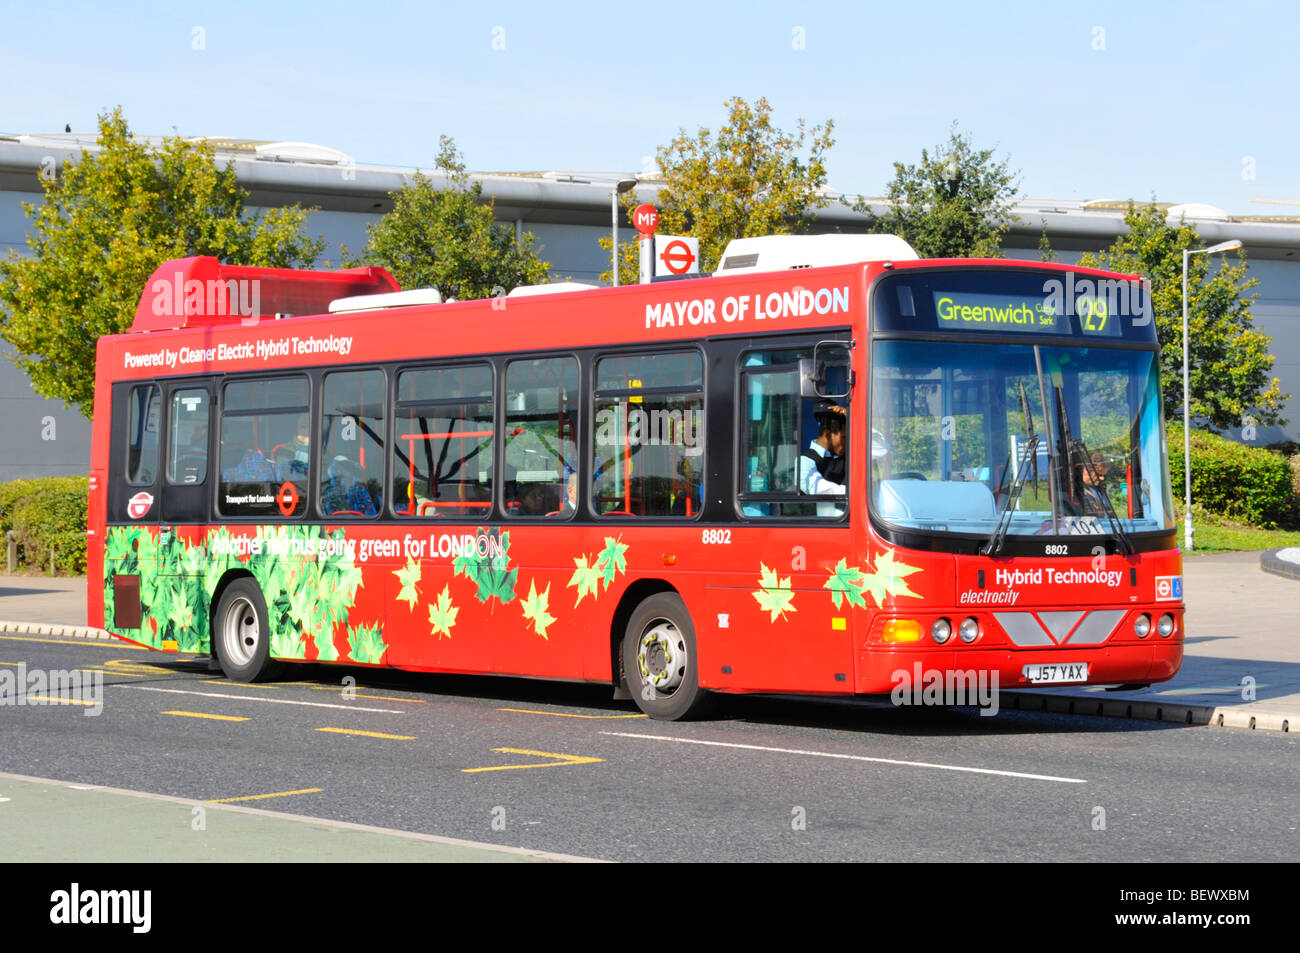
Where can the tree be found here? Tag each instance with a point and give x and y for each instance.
(448, 238)
(749, 179)
(107, 221)
(1229, 359)
(955, 204)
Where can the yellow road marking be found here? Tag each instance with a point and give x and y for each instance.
(226, 681)
(15, 664)
(113, 644)
(367, 734)
(56, 700)
(565, 759)
(124, 666)
(258, 797)
(199, 714)
(563, 714)
(111, 671)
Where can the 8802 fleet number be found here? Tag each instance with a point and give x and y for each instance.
(1057, 549)
(719, 536)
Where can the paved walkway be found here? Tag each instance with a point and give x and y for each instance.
(1241, 666)
(44, 821)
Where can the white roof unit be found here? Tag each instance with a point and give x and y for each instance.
(391, 299)
(781, 252)
(554, 287)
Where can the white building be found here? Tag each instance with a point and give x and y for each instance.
(567, 212)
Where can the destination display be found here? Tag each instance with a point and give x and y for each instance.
(1015, 303)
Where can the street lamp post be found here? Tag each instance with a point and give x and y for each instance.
(623, 186)
(1188, 544)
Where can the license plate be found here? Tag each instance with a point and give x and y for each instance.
(1056, 672)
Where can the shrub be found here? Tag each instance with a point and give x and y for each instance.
(47, 514)
(1246, 483)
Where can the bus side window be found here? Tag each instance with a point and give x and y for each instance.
(142, 435)
(352, 443)
(541, 449)
(265, 447)
(442, 454)
(187, 449)
(648, 456)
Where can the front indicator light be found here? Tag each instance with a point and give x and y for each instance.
(941, 631)
(1142, 626)
(901, 630)
(1165, 626)
(969, 631)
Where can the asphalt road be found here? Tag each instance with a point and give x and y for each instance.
(559, 768)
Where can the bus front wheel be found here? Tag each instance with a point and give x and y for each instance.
(660, 662)
(241, 635)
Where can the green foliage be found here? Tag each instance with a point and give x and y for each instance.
(492, 573)
(47, 514)
(366, 644)
(955, 204)
(749, 179)
(448, 238)
(107, 222)
(1229, 359)
(1233, 480)
(774, 595)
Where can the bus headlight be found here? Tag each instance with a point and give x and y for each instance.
(1142, 625)
(941, 631)
(1165, 626)
(969, 630)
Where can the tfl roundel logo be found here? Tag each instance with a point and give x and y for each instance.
(139, 505)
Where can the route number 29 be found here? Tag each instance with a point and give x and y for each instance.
(720, 536)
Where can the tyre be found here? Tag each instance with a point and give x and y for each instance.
(241, 635)
(660, 663)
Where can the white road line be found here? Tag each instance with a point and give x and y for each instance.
(258, 698)
(849, 757)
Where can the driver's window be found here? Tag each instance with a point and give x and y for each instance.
(352, 444)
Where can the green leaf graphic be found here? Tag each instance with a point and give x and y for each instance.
(366, 644)
(774, 595)
(846, 582)
(409, 577)
(585, 578)
(442, 614)
(611, 559)
(535, 607)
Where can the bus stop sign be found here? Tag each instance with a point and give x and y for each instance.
(645, 218)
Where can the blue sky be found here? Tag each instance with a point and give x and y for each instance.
(1186, 101)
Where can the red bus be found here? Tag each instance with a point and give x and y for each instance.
(827, 468)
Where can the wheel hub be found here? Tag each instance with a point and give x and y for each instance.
(661, 656)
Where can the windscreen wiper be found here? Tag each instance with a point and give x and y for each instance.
(994, 545)
(1085, 459)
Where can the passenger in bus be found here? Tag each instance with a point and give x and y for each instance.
(821, 467)
(345, 490)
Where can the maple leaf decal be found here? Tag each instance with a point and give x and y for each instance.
(409, 578)
(846, 583)
(586, 578)
(442, 614)
(774, 595)
(612, 560)
(890, 578)
(367, 644)
(535, 608)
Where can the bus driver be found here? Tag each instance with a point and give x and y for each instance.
(821, 466)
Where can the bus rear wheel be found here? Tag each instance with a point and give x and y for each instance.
(660, 662)
(241, 635)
